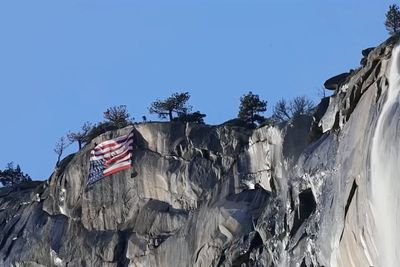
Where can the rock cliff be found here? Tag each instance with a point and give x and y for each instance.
(198, 195)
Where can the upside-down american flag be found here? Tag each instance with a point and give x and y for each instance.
(110, 157)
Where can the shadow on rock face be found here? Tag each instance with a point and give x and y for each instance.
(296, 138)
(307, 206)
(161, 206)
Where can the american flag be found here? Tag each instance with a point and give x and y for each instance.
(110, 157)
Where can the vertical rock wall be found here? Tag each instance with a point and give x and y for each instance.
(215, 195)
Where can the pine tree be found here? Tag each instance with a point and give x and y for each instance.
(195, 117)
(250, 108)
(176, 103)
(392, 22)
(80, 136)
(11, 175)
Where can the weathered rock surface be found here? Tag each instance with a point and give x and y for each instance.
(335, 82)
(198, 190)
(215, 195)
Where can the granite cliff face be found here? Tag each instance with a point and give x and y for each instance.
(294, 195)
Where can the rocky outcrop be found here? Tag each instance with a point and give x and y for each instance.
(215, 195)
(199, 190)
(337, 167)
(365, 54)
(335, 82)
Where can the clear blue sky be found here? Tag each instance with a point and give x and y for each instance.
(64, 62)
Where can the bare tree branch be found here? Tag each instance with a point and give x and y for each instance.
(59, 148)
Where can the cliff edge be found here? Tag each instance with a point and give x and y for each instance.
(198, 195)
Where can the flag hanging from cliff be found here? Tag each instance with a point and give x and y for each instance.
(110, 157)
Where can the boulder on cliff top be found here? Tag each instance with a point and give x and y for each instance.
(335, 82)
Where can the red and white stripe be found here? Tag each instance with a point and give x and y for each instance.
(111, 152)
(116, 154)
